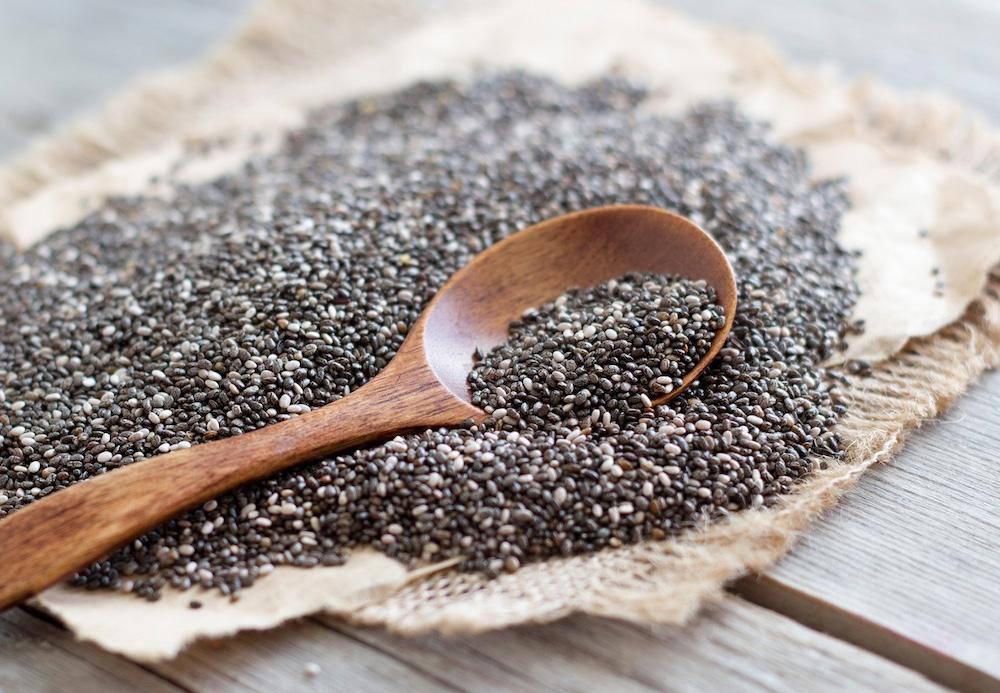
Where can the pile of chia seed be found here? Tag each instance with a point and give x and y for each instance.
(159, 324)
(601, 354)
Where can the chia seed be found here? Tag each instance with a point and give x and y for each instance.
(598, 353)
(156, 324)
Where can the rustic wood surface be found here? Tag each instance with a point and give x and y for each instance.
(909, 563)
(36, 655)
(731, 646)
(906, 568)
(720, 651)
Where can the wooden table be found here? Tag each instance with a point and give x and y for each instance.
(899, 587)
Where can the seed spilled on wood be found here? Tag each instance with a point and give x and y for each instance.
(154, 325)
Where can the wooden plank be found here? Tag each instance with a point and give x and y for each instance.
(908, 565)
(890, 569)
(949, 47)
(731, 646)
(58, 59)
(36, 655)
(525, 658)
(277, 660)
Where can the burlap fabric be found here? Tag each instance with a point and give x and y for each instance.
(912, 163)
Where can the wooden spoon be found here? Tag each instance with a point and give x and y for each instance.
(424, 386)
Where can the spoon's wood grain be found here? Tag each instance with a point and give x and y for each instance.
(424, 386)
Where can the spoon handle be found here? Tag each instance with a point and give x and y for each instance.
(71, 528)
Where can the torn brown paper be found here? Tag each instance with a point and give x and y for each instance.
(154, 630)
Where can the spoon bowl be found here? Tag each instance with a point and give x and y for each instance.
(532, 267)
(424, 386)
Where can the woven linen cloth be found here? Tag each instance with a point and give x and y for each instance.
(910, 163)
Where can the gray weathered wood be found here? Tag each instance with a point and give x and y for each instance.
(276, 660)
(909, 563)
(58, 59)
(949, 46)
(731, 646)
(734, 645)
(38, 656)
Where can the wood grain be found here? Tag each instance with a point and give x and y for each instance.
(424, 386)
(909, 564)
(276, 660)
(732, 646)
(60, 59)
(948, 46)
(38, 656)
